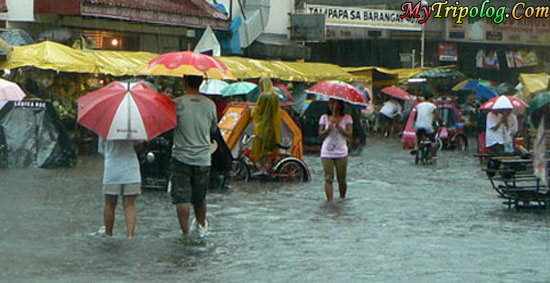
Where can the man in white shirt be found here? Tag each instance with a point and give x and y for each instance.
(426, 113)
(390, 110)
(495, 134)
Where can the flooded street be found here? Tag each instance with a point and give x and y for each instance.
(400, 223)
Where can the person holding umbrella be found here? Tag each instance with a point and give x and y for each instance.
(124, 113)
(335, 127)
(191, 159)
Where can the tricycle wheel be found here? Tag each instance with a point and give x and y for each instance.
(239, 171)
(291, 171)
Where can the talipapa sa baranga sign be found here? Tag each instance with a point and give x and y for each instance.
(365, 18)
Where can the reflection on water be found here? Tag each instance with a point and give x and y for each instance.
(400, 223)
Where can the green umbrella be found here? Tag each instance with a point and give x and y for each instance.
(239, 88)
(439, 73)
(540, 100)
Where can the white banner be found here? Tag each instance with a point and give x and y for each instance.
(365, 18)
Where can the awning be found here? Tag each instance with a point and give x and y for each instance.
(55, 56)
(52, 56)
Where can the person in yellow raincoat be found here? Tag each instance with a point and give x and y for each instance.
(267, 124)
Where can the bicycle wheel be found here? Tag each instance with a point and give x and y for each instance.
(239, 171)
(291, 171)
(425, 158)
(460, 142)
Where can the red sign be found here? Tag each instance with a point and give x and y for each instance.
(448, 52)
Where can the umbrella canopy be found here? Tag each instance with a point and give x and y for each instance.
(505, 88)
(503, 102)
(340, 91)
(483, 92)
(470, 84)
(212, 87)
(10, 91)
(126, 111)
(397, 92)
(240, 88)
(439, 73)
(540, 100)
(182, 63)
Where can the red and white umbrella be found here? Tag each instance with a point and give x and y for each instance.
(127, 111)
(340, 91)
(503, 102)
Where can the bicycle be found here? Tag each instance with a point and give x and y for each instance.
(282, 166)
(424, 153)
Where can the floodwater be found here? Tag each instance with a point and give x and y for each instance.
(400, 223)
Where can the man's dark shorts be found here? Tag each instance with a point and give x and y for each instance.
(421, 133)
(189, 183)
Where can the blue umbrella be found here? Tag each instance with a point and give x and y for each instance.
(482, 92)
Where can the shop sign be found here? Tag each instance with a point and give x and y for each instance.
(364, 18)
(448, 52)
(30, 104)
(528, 31)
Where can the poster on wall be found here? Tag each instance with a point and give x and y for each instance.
(448, 52)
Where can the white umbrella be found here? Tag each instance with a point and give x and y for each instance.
(212, 87)
(10, 91)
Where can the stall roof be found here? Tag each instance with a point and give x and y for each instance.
(50, 55)
(55, 56)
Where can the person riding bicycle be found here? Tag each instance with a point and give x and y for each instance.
(426, 113)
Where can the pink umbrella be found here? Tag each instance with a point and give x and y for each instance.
(10, 91)
(503, 102)
(397, 92)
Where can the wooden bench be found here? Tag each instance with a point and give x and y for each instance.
(514, 180)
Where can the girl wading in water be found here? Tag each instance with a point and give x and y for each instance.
(336, 128)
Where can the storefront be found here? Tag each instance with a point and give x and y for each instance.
(502, 51)
(155, 26)
(378, 36)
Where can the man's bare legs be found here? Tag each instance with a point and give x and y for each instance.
(182, 210)
(200, 214)
(109, 213)
(128, 203)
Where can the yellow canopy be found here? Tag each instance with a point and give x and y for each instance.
(50, 55)
(55, 56)
(246, 68)
(534, 82)
(119, 63)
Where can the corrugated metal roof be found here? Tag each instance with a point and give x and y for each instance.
(197, 8)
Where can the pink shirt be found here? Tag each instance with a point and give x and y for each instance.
(335, 144)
